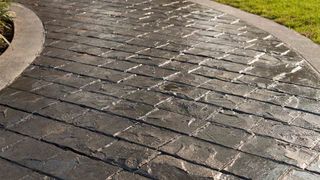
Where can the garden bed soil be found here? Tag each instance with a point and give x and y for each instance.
(7, 32)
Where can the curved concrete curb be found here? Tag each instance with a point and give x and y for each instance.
(304, 46)
(26, 45)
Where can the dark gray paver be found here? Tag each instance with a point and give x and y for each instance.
(148, 135)
(127, 155)
(10, 170)
(224, 135)
(201, 152)
(158, 89)
(256, 168)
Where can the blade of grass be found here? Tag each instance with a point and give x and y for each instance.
(5, 39)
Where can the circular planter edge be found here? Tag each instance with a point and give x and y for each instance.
(304, 46)
(27, 44)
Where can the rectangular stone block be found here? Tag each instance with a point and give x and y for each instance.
(298, 90)
(55, 91)
(181, 90)
(174, 121)
(109, 88)
(10, 170)
(189, 108)
(147, 60)
(279, 151)
(237, 120)
(254, 81)
(103, 122)
(50, 62)
(142, 82)
(73, 80)
(79, 139)
(222, 100)
(226, 136)
(130, 109)
(9, 139)
(180, 66)
(148, 97)
(224, 65)
(43, 73)
(89, 99)
(126, 155)
(120, 65)
(62, 111)
(201, 152)
(128, 175)
(28, 84)
(152, 71)
(31, 153)
(159, 53)
(189, 79)
(26, 101)
(271, 96)
(307, 120)
(148, 135)
(299, 174)
(9, 117)
(216, 73)
(188, 58)
(37, 126)
(268, 111)
(292, 134)
(254, 167)
(167, 167)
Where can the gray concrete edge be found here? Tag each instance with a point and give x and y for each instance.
(27, 44)
(304, 46)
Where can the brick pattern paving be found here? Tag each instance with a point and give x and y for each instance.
(158, 89)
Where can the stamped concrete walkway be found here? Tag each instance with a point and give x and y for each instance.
(158, 89)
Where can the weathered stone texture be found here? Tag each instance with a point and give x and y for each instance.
(158, 89)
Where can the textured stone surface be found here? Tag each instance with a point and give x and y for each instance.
(181, 90)
(148, 135)
(103, 122)
(11, 116)
(89, 99)
(237, 120)
(274, 149)
(189, 108)
(256, 168)
(315, 165)
(297, 174)
(148, 97)
(224, 135)
(201, 152)
(158, 89)
(130, 109)
(116, 90)
(63, 111)
(166, 167)
(11, 171)
(127, 175)
(292, 134)
(174, 121)
(128, 155)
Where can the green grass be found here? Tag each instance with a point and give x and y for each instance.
(301, 15)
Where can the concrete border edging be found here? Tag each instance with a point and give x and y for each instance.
(304, 46)
(27, 44)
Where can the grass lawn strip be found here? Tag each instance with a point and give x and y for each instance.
(301, 15)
